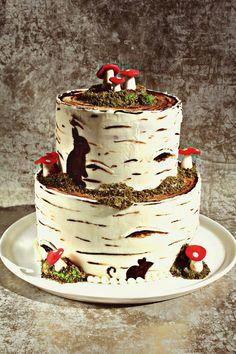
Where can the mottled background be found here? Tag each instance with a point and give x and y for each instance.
(184, 47)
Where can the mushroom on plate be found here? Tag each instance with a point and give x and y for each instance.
(187, 161)
(116, 82)
(130, 75)
(107, 71)
(196, 254)
(48, 162)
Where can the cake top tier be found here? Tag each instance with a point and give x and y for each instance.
(118, 92)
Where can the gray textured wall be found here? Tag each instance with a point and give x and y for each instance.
(184, 47)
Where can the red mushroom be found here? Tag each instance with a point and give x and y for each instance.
(107, 71)
(54, 256)
(48, 161)
(130, 75)
(116, 82)
(196, 254)
(187, 160)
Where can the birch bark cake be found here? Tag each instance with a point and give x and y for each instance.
(113, 203)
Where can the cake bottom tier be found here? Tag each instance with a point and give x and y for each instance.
(104, 241)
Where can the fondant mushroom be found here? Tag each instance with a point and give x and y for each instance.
(130, 75)
(107, 71)
(116, 82)
(48, 162)
(196, 254)
(187, 161)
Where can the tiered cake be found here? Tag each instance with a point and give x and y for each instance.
(134, 146)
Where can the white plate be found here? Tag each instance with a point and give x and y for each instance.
(17, 253)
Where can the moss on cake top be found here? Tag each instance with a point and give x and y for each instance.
(119, 195)
(118, 90)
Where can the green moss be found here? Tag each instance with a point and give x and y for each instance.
(100, 95)
(119, 195)
(181, 267)
(69, 274)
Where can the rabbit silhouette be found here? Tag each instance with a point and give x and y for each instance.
(76, 159)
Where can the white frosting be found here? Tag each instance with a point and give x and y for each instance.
(96, 237)
(123, 145)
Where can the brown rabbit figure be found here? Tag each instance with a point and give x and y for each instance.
(76, 159)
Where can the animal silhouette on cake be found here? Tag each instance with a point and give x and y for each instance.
(139, 270)
(77, 158)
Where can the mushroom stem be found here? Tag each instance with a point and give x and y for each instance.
(108, 74)
(46, 170)
(116, 88)
(187, 162)
(130, 83)
(196, 266)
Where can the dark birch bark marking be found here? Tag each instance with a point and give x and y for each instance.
(106, 238)
(95, 167)
(63, 126)
(118, 215)
(40, 211)
(90, 143)
(172, 243)
(112, 254)
(161, 118)
(50, 227)
(60, 155)
(91, 180)
(136, 174)
(129, 141)
(177, 133)
(130, 112)
(82, 239)
(49, 192)
(97, 263)
(117, 126)
(58, 139)
(108, 245)
(161, 130)
(131, 160)
(148, 204)
(94, 116)
(145, 233)
(100, 162)
(159, 173)
(163, 156)
(162, 214)
(87, 222)
(62, 239)
(144, 119)
(184, 203)
(196, 211)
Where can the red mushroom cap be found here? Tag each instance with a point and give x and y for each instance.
(54, 256)
(49, 159)
(130, 73)
(195, 252)
(189, 151)
(106, 67)
(117, 80)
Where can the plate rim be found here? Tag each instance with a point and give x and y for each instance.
(89, 294)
